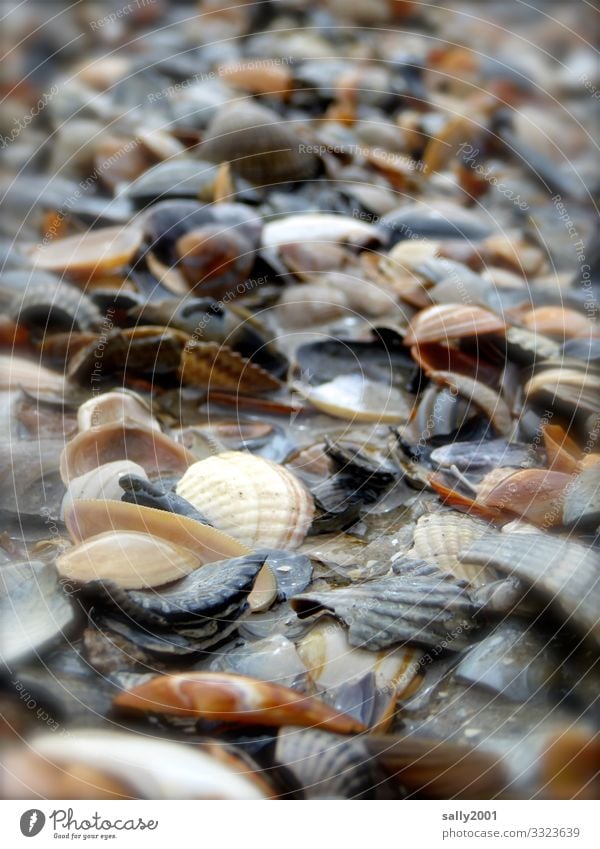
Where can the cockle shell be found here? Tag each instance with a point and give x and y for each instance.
(116, 406)
(233, 698)
(535, 494)
(451, 321)
(85, 519)
(89, 254)
(218, 367)
(151, 449)
(131, 560)
(255, 500)
(106, 764)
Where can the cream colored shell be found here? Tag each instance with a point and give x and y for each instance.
(255, 500)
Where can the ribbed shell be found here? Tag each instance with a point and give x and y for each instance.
(256, 501)
(451, 321)
(440, 539)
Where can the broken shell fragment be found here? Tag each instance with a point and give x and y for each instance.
(234, 699)
(255, 500)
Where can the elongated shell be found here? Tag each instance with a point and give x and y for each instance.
(258, 144)
(116, 406)
(451, 321)
(257, 501)
(88, 518)
(151, 449)
(233, 698)
(132, 560)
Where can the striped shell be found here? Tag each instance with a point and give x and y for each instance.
(253, 499)
(451, 321)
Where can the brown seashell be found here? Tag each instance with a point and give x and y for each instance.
(85, 519)
(17, 373)
(217, 366)
(257, 77)
(433, 356)
(214, 260)
(259, 145)
(558, 321)
(566, 386)
(534, 494)
(153, 450)
(477, 393)
(233, 698)
(129, 559)
(443, 322)
(562, 452)
(90, 254)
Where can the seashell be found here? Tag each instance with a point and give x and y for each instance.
(272, 659)
(265, 591)
(421, 606)
(563, 574)
(562, 322)
(322, 361)
(441, 412)
(17, 373)
(213, 365)
(443, 322)
(134, 489)
(90, 254)
(109, 764)
(119, 406)
(565, 387)
(581, 505)
(258, 144)
(215, 261)
(484, 455)
(174, 178)
(100, 483)
(60, 307)
(34, 610)
(319, 227)
(355, 398)
(257, 501)
(447, 220)
(85, 519)
(535, 494)
(131, 560)
(155, 452)
(257, 77)
(528, 348)
(326, 766)
(233, 699)
(562, 452)
(440, 539)
(477, 393)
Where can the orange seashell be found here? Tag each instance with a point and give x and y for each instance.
(534, 494)
(434, 356)
(462, 502)
(562, 451)
(443, 322)
(558, 321)
(234, 698)
(258, 77)
(89, 254)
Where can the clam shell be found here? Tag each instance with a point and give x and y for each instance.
(88, 518)
(256, 501)
(217, 366)
(451, 321)
(17, 373)
(258, 144)
(234, 699)
(151, 449)
(131, 560)
(440, 538)
(484, 455)
(568, 387)
(316, 227)
(34, 610)
(120, 765)
(90, 254)
(355, 398)
(118, 406)
(101, 483)
(422, 606)
(477, 393)
(563, 574)
(534, 494)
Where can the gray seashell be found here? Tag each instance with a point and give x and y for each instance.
(34, 610)
(329, 766)
(259, 145)
(561, 573)
(421, 606)
(292, 571)
(173, 179)
(582, 500)
(60, 307)
(484, 456)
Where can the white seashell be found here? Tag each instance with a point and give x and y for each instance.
(441, 538)
(319, 227)
(102, 483)
(255, 500)
(130, 559)
(116, 406)
(356, 398)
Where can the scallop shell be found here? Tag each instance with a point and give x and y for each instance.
(562, 573)
(234, 699)
(258, 144)
(422, 606)
(88, 518)
(451, 321)
(155, 452)
(131, 560)
(101, 483)
(440, 538)
(117, 406)
(52, 308)
(255, 500)
(218, 367)
(90, 254)
(120, 765)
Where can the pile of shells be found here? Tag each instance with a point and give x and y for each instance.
(299, 388)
